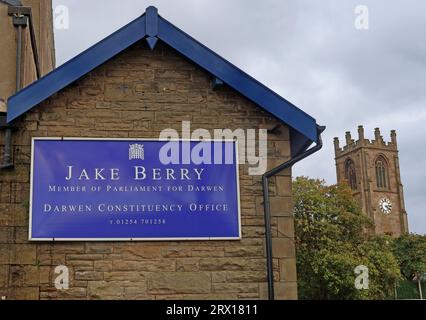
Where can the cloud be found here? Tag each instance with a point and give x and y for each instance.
(310, 53)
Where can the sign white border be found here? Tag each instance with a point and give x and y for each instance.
(30, 238)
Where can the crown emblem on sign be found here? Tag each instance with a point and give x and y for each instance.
(136, 151)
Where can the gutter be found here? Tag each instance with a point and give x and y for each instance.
(12, 2)
(266, 205)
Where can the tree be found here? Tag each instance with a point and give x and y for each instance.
(331, 241)
(410, 251)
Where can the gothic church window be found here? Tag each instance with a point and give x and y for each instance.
(350, 174)
(381, 173)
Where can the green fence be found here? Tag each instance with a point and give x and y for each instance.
(409, 290)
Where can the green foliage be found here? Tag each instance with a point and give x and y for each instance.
(331, 241)
(409, 289)
(410, 251)
(376, 253)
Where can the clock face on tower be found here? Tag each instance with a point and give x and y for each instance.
(385, 206)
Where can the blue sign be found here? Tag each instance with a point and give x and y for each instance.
(134, 190)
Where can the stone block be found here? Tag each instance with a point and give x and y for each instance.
(84, 257)
(222, 264)
(283, 248)
(279, 206)
(25, 293)
(104, 266)
(245, 276)
(99, 247)
(207, 251)
(245, 287)
(187, 264)
(176, 252)
(6, 234)
(21, 234)
(286, 290)
(285, 227)
(219, 276)
(172, 74)
(4, 275)
(137, 292)
(284, 185)
(180, 282)
(137, 251)
(68, 294)
(244, 251)
(282, 149)
(288, 270)
(105, 290)
(144, 265)
(274, 162)
(88, 275)
(123, 276)
(24, 254)
(24, 276)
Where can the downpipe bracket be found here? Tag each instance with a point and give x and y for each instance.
(7, 154)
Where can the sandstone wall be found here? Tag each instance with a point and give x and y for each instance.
(138, 94)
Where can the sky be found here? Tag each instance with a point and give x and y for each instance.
(311, 53)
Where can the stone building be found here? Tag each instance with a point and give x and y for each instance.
(371, 168)
(37, 54)
(144, 78)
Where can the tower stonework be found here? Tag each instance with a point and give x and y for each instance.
(371, 169)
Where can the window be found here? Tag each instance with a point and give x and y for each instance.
(381, 173)
(350, 174)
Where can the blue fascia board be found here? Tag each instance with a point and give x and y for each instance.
(75, 68)
(151, 15)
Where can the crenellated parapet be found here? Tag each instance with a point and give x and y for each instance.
(378, 141)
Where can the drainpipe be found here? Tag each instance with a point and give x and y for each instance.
(19, 12)
(266, 206)
(20, 21)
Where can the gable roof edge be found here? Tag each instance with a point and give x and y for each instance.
(303, 127)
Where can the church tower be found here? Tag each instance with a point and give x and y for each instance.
(371, 169)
